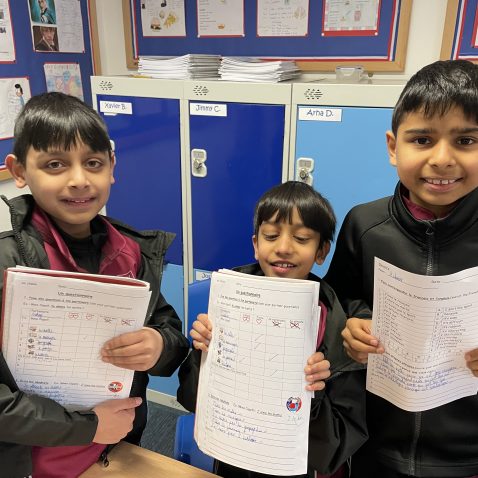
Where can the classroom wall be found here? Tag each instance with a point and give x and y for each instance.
(424, 43)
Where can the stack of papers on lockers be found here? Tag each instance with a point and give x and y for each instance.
(180, 68)
(253, 69)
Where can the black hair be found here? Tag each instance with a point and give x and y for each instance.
(437, 88)
(55, 120)
(314, 210)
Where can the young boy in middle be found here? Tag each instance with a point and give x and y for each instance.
(293, 228)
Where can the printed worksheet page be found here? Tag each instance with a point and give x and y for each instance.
(426, 324)
(253, 409)
(54, 328)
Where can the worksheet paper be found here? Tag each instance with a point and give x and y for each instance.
(253, 409)
(426, 324)
(54, 328)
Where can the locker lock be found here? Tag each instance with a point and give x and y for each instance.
(198, 160)
(303, 170)
(303, 174)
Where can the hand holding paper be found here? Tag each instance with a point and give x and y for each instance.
(201, 332)
(359, 341)
(316, 371)
(428, 327)
(115, 419)
(139, 350)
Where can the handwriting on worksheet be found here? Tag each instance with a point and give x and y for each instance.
(253, 410)
(426, 324)
(55, 328)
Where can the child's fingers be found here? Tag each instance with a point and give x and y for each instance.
(199, 337)
(316, 386)
(200, 346)
(357, 340)
(315, 358)
(471, 358)
(360, 329)
(204, 319)
(318, 376)
(200, 331)
(317, 367)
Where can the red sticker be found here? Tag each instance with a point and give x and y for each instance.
(115, 387)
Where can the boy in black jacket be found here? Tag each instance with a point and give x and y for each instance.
(293, 227)
(62, 152)
(430, 227)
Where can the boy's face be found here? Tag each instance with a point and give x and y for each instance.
(288, 250)
(436, 158)
(71, 186)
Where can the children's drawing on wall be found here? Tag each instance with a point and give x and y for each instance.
(14, 93)
(43, 11)
(65, 78)
(45, 38)
(163, 18)
(57, 25)
(289, 18)
(7, 46)
(351, 17)
(220, 18)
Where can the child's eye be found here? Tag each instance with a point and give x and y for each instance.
(94, 163)
(422, 141)
(301, 239)
(54, 165)
(270, 237)
(466, 141)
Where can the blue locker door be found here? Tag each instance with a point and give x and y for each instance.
(351, 163)
(147, 192)
(244, 158)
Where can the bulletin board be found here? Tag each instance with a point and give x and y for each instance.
(30, 64)
(383, 51)
(460, 34)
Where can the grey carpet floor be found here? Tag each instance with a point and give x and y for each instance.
(161, 429)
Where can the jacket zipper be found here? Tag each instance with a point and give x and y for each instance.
(430, 235)
(104, 458)
(18, 237)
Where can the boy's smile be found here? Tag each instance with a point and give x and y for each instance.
(288, 250)
(436, 158)
(71, 186)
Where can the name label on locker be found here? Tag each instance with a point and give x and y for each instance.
(207, 109)
(116, 107)
(320, 114)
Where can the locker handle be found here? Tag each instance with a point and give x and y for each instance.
(198, 163)
(304, 169)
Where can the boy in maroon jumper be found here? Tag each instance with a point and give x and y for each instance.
(62, 152)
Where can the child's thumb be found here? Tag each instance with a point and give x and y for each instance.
(128, 403)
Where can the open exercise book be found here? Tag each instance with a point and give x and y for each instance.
(54, 324)
(253, 410)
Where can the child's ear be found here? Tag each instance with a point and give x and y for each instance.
(254, 243)
(322, 253)
(112, 166)
(16, 169)
(391, 146)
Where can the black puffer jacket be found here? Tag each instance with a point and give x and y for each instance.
(30, 419)
(337, 416)
(442, 442)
